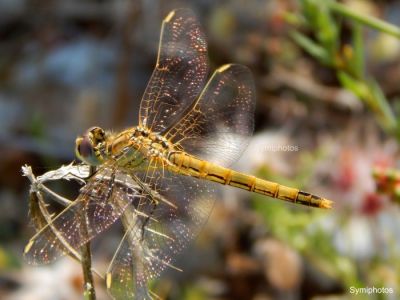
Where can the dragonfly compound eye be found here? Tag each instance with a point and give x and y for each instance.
(96, 134)
(87, 146)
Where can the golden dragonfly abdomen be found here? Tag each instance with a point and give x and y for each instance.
(189, 165)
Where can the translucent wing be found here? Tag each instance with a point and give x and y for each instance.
(161, 225)
(101, 202)
(41, 217)
(173, 208)
(217, 126)
(180, 72)
(123, 278)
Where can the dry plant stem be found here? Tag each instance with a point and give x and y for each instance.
(89, 291)
(44, 217)
(88, 284)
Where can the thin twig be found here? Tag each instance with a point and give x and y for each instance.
(88, 284)
(38, 208)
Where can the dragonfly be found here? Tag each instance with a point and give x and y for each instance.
(160, 177)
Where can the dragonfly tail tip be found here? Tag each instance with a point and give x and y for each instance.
(325, 203)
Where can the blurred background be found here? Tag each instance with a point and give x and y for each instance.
(326, 122)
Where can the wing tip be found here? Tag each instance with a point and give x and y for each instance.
(28, 246)
(108, 280)
(223, 68)
(169, 16)
(237, 68)
(326, 204)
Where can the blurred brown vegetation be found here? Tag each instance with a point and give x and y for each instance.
(69, 65)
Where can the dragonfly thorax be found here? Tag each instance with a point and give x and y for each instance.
(132, 146)
(136, 145)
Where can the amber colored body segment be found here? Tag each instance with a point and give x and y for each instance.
(186, 164)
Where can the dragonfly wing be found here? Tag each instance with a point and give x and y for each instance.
(218, 125)
(124, 277)
(158, 231)
(41, 217)
(101, 201)
(180, 72)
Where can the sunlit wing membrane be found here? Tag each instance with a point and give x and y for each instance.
(101, 202)
(218, 125)
(180, 72)
(41, 217)
(157, 233)
(123, 279)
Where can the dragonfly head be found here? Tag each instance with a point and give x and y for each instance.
(88, 147)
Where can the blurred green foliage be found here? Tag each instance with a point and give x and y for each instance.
(323, 21)
(317, 28)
